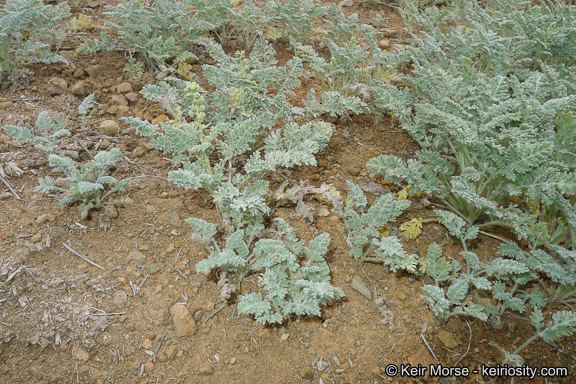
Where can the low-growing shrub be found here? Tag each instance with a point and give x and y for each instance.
(487, 92)
(28, 33)
(88, 183)
(226, 142)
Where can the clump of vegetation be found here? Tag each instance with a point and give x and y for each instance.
(28, 32)
(485, 88)
(368, 237)
(88, 183)
(488, 97)
(226, 142)
(295, 277)
(162, 33)
(493, 116)
(45, 136)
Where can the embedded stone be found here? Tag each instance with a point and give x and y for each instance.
(184, 323)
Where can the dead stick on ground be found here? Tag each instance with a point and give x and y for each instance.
(467, 349)
(213, 313)
(162, 340)
(108, 314)
(429, 348)
(69, 248)
(8, 185)
(183, 275)
(22, 100)
(84, 148)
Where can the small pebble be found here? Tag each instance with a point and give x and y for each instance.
(42, 219)
(120, 299)
(81, 88)
(306, 373)
(124, 87)
(109, 128)
(206, 369)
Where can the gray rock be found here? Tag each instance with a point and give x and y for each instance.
(123, 110)
(132, 97)
(384, 44)
(359, 285)
(137, 256)
(42, 219)
(118, 100)
(206, 369)
(5, 105)
(120, 299)
(79, 353)
(57, 86)
(95, 70)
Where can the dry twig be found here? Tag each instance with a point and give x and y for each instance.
(74, 252)
(4, 179)
(468, 348)
(429, 348)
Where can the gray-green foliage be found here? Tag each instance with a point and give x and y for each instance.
(365, 225)
(163, 33)
(295, 18)
(456, 287)
(46, 135)
(226, 142)
(88, 183)
(253, 85)
(562, 324)
(166, 33)
(486, 90)
(486, 290)
(294, 278)
(342, 70)
(345, 72)
(85, 108)
(28, 31)
(490, 99)
(507, 278)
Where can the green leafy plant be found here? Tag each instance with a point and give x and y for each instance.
(342, 71)
(45, 136)
(295, 277)
(487, 290)
(88, 183)
(293, 19)
(163, 33)
(366, 229)
(563, 324)
(86, 108)
(251, 85)
(28, 32)
(239, 193)
(493, 114)
(226, 142)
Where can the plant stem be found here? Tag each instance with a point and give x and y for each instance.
(530, 340)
